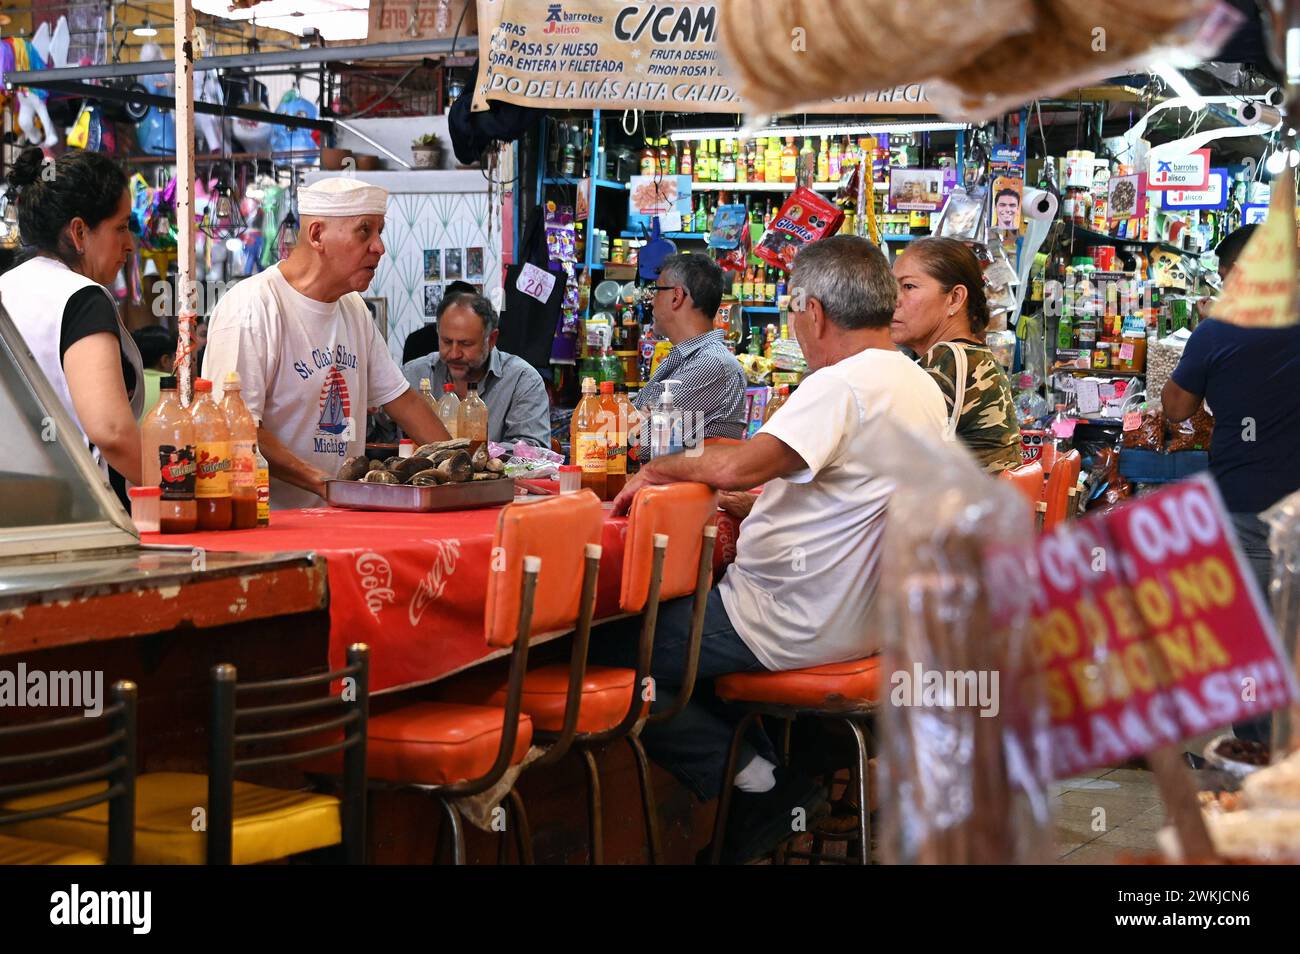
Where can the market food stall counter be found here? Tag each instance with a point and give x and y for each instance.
(411, 585)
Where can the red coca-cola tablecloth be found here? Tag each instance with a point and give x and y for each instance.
(411, 585)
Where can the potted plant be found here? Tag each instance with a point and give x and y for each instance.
(426, 151)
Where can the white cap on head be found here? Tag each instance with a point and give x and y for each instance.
(342, 196)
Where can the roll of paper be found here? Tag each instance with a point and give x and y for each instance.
(1039, 204)
(1251, 113)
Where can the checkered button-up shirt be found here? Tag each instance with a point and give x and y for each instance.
(711, 395)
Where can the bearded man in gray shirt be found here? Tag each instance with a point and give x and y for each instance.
(515, 395)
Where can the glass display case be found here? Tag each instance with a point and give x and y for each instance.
(54, 500)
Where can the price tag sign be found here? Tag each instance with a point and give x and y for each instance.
(1132, 420)
(671, 221)
(1064, 429)
(1126, 352)
(535, 282)
(1088, 395)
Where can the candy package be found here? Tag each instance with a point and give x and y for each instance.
(728, 222)
(804, 217)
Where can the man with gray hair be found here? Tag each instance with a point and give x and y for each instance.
(808, 553)
(515, 395)
(310, 359)
(711, 392)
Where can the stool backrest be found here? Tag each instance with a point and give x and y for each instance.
(309, 743)
(1048, 457)
(1063, 478)
(680, 512)
(1027, 479)
(116, 738)
(556, 531)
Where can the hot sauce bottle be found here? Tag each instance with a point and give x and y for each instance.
(212, 471)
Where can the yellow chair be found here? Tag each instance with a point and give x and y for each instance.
(46, 799)
(187, 818)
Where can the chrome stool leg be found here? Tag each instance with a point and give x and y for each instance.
(647, 799)
(596, 850)
(728, 781)
(861, 772)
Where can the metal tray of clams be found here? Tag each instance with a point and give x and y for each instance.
(359, 495)
(445, 475)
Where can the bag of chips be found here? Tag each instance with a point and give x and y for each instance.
(1149, 434)
(1192, 434)
(805, 217)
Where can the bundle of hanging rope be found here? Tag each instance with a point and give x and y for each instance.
(975, 54)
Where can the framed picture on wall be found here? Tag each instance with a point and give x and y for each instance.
(432, 295)
(474, 264)
(432, 264)
(379, 311)
(451, 264)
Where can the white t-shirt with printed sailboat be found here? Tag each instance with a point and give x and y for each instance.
(307, 369)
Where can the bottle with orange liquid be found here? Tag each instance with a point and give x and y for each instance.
(212, 473)
(472, 418)
(588, 440)
(789, 160)
(782, 395)
(167, 437)
(614, 420)
(243, 460)
(629, 423)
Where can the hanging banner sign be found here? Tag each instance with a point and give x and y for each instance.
(1213, 196)
(1191, 171)
(627, 54)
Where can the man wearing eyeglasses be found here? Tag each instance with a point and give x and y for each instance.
(711, 395)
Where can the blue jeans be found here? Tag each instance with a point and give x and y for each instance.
(1252, 535)
(693, 745)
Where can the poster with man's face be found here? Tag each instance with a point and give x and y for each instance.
(1006, 203)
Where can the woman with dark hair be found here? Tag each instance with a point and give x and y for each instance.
(74, 213)
(942, 315)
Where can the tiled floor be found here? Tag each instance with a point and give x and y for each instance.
(1111, 812)
(1101, 815)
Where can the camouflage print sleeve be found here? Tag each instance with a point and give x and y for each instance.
(942, 366)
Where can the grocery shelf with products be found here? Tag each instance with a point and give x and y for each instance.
(593, 167)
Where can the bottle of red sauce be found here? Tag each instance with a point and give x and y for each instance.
(243, 463)
(212, 473)
(167, 436)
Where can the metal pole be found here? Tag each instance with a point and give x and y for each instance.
(187, 297)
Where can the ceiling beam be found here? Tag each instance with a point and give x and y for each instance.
(314, 54)
(117, 95)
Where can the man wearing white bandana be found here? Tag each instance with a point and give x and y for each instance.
(309, 356)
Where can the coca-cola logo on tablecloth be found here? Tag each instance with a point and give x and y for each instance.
(727, 540)
(376, 581)
(429, 589)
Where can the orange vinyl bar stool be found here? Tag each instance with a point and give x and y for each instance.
(29, 805)
(1047, 458)
(847, 692)
(1061, 490)
(588, 707)
(546, 556)
(1027, 479)
(246, 823)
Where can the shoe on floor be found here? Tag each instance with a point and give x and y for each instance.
(759, 823)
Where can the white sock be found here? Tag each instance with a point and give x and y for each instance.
(757, 776)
